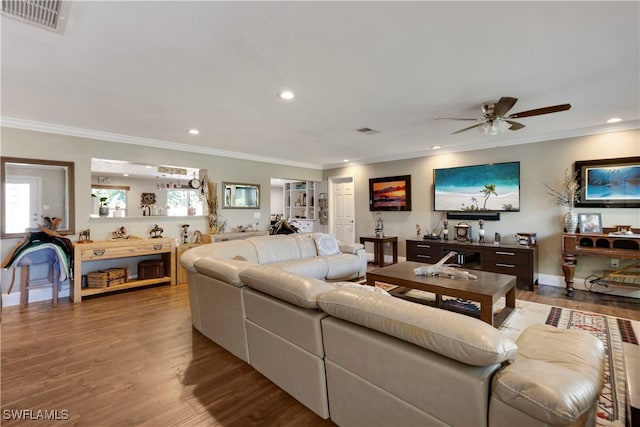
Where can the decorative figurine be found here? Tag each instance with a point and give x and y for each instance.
(418, 230)
(120, 233)
(379, 229)
(156, 232)
(85, 236)
(481, 231)
(445, 230)
(185, 233)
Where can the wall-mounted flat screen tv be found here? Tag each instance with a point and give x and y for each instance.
(493, 187)
(390, 194)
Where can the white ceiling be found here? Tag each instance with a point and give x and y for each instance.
(146, 72)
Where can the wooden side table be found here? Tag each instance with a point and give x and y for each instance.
(181, 273)
(378, 247)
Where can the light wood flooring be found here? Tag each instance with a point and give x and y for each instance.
(133, 359)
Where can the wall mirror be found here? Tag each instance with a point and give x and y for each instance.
(33, 189)
(128, 187)
(241, 196)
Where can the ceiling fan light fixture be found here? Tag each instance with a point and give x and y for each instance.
(494, 127)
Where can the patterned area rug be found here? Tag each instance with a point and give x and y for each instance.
(617, 335)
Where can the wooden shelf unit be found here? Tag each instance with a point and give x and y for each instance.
(598, 245)
(112, 249)
(300, 200)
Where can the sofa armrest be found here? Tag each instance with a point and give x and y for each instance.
(189, 258)
(227, 270)
(350, 248)
(556, 378)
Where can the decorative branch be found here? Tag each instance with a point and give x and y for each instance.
(210, 195)
(569, 192)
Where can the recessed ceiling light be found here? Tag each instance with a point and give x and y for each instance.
(194, 131)
(436, 147)
(286, 94)
(125, 174)
(614, 120)
(345, 161)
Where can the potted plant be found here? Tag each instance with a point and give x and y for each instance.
(103, 210)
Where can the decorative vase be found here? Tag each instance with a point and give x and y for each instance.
(103, 211)
(570, 221)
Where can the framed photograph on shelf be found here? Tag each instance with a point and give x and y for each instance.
(590, 223)
(609, 183)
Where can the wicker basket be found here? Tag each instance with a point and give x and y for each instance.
(106, 278)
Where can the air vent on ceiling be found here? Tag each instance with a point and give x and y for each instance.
(368, 131)
(49, 14)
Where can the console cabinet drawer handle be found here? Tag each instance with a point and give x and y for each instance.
(505, 253)
(506, 265)
(157, 247)
(424, 256)
(98, 252)
(424, 246)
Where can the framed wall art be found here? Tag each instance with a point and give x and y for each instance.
(590, 223)
(609, 183)
(477, 189)
(390, 194)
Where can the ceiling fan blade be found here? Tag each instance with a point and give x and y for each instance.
(514, 125)
(470, 127)
(453, 118)
(503, 105)
(539, 111)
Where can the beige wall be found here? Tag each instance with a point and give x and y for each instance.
(543, 162)
(39, 145)
(540, 163)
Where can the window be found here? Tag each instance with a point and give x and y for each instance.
(116, 197)
(184, 202)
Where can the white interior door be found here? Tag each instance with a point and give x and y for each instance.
(23, 199)
(342, 219)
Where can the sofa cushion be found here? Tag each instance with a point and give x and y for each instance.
(326, 244)
(227, 270)
(454, 335)
(311, 267)
(291, 287)
(227, 249)
(306, 244)
(275, 248)
(557, 375)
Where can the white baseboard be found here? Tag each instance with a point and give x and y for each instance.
(35, 295)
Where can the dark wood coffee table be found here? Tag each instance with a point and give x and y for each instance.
(486, 291)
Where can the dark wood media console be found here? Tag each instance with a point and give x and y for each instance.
(516, 260)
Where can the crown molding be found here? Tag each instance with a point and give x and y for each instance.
(494, 142)
(12, 122)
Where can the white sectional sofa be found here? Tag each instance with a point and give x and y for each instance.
(360, 357)
(216, 291)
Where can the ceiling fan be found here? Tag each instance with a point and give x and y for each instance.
(495, 119)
